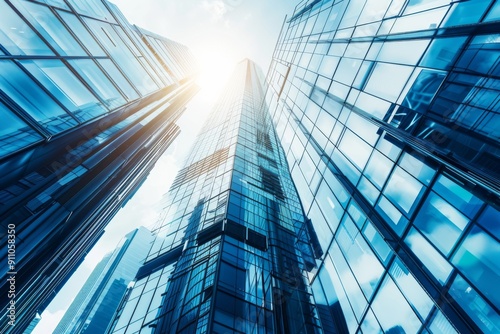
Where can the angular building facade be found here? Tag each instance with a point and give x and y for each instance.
(232, 247)
(93, 308)
(88, 103)
(388, 112)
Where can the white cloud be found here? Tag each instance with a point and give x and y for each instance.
(217, 8)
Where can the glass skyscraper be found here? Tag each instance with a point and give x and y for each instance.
(388, 113)
(232, 245)
(94, 306)
(88, 103)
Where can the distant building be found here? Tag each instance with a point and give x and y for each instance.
(94, 306)
(88, 103)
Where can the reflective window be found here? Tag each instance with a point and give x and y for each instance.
(393, 311)
(387, 80)
(17, 37)
(413, 292)
(489, 220)
(120, 53)
(42, 18)
(442, 52)
(440, 222)
(477, 257)
(94, 8)
(430, 257)
(403, 190)
(458, 196)
(403, 52)
(378, 169)
(82, 33)
(363, 262)
(29, 96)
(14, 133)
(485, 317)
(417, 168)
(98, 81)
(118, 77)
(466, 12)
(377, 242)
(68, 90)
(392, 215)
(440, 325)
(355, 149)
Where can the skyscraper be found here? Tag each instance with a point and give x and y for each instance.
(232, 246)
(94, 306)
(88, 103)
(388, 115)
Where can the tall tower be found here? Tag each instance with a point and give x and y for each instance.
(388, 115)
(94, 306)
(232, 247)
(88, 103)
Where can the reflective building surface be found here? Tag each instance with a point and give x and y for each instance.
(232, 246)
(88, 103)
(94, 306)
(388, 112)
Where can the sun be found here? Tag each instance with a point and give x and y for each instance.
(216, 65)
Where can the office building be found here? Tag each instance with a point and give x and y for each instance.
(88, 103)
(232, 246)
(94, 306)
(388, 113)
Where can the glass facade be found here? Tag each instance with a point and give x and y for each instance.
(232, 247)
(94, 306)
(388, 115)
(88, 103)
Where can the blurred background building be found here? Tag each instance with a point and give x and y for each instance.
(93, 308)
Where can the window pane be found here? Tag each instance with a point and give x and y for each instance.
(477, 257)
(29, 96)
(14, 133)
(378, 169)
(441, 325)
(403, 190)
(98, 81)
(440, 222)
(387, 80)
(458, 196)
(489, 220)
(442, 52)
(430, 257)
(82, 33)
(118, 77)
(51, 29)
(481, 313)
(413, 292)
(17, 37)
(68, 90)
(417, 168)
(392, 310)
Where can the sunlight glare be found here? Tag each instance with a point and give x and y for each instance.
(216, 65)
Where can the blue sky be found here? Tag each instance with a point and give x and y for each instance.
(220, 33)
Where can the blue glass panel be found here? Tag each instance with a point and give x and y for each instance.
(14, 133)
(49, 26)
(458, 196)
(17, 37)
(393, 311)
(98, 81)
(68, 90)
(412, 291)
(442, 52)
(397, 221)
(387, 80)
(355, 149)
(118, 77)
(417, 168)
(82, 33)
(466, 12)
(403, 190)
(440, 222)
(377, 242)
(430, 257)
(378, 169)
(477, 257)
(485, 317)
(440, 325)
(490, 219)
(29, 96)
